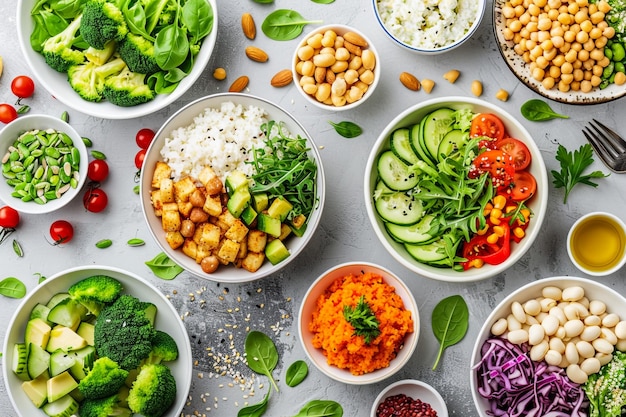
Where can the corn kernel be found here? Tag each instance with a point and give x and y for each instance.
(519, 233)
(498, 230)
(477, 263)
(493, 238)
(487, 209)
(510, 209)
(496, 212)
(499, 201)
(494, 220)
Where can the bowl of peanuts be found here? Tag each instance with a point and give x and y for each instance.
(556, 332)
(336, 67)
(570, 52)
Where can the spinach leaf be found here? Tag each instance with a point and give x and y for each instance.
(261, 355)
(449, 321)
(537, 110)
(264, 1)
(323, 1)
(171, 46)
(136, 20)
(347, 129)
(296, 373)
(12, 287)
(255, 410)
(321, 408)
(284, 24)
(197, 16)
(163, 267)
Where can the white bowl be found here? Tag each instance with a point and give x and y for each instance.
(615, 303)
(184, 117)
(317, 357)
(339, 30)
(40, 121)
(398, 33)
(168, 320)
(538, 204)
(415, 389)
(57, 85)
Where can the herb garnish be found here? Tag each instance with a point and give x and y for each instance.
(572, 167)
(363, 319)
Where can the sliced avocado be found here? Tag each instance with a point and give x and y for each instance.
(238, 202)
(236, 180)
(65, 406)
(38, 361)
(60, 361)
(268, 224)
(60, 385)
(85, 330)
(260, 201)
(66, 339)
(67, 313)
(276, 251)
(37, 390)
(20, 361)
(37, 332)
(280, 208)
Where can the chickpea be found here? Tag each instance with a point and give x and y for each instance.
(209, 264)
(187, 228)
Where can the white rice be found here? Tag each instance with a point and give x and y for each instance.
(218, 137)
(428, 24)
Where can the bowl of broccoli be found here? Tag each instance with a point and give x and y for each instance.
(97, 341)
(117, 59)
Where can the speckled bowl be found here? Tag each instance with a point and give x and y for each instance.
(415, 389)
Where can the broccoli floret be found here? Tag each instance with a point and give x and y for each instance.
(153, 392)
(103, 380)
(104, 407)
(164, 348)
(57, 50)
(96, 291)
(606, 390)
(103, 21)
(101, 56)
(138, 53)
(127, 89)
(124, 332)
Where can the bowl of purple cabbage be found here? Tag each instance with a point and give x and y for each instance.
(554, 347)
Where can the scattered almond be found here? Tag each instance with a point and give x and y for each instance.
(410, 81)
(452, 75)
(428, 85)
(239, 84)
(282, 78)
(219, 74)
(1, 66)
(248, 26)
(256, 54)
(355, 39)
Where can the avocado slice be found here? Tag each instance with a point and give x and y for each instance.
(60, 385)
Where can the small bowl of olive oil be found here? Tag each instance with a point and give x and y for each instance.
(596, 243)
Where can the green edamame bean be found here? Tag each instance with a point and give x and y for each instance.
(619, 53)
(104, 243)
(608, 70)
(608, 52)
(620, 67)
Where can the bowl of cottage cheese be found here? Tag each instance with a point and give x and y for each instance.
(429, 26)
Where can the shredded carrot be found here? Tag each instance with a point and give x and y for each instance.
(335, 336)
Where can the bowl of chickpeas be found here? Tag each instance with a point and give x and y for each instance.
(570, 52)
(336, 67)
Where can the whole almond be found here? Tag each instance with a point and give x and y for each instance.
(355, 38)
(239, 84)
(282, 78)
(248, 26)
(256, 54)
(409, 81)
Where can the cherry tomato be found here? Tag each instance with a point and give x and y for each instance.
(518, 150)
(523, 186)
(98, 170)
(139, 158)
(7, 113)
(498, 164)
(61, 231)
(9, 217)
(144, 138)
(95, 200)
(487, 124)
(23, 86)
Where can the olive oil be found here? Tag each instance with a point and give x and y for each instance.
(598, 243)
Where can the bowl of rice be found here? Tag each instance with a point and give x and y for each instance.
(431, 26)
(209, 196)
(357, 350)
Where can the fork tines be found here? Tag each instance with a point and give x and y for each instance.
(609, 146)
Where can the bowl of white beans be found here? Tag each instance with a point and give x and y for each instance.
(570, 326)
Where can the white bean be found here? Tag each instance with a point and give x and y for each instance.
(590, 333)
(620, 329)
(559, 314)
(530, 320)
(571, 312)
(518, 312)
(609, 335)
(575, 374)
(585, 349)
(574, 293)
(602, 346)
(557, 345)
(621, 345)
(547, 304)
(550, 324)
(517, 337)
(590, 366)
(499, 327)
(560, 332)
(610, 320)
(604, 358)
(552, 292)
(597, 307)
(538, 352)
(536, 333)
(532, 307)
(592, 320)
(571, 353)
(553, 357)
(513, 323)
(573, 328)
(542, 315)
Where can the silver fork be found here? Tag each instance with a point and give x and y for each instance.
(610, 147)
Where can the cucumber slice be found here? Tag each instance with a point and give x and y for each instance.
(396, 174)
(67, 313)
(435, 126)
(20, 361)
(65, 406)
(417, 142)
(38, 360)
(60, 361)
(432, 252)
(400, 144)
(396, 207)
(421, 232)
(451, 143)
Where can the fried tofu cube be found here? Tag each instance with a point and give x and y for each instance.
(170, 220)
(243, 249)
(185, 207)
(228, 250)
(213, 205)
(253, 261)
(212, 183)
(257, 241)
(161, 171)
(210, 236)
(190, 248)
(184, 188)
(174, 239)
(202, 252)
(225, 220)
(167, 190)
(237, 231)
(157, 202)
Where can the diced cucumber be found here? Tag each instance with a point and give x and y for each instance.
(268, 224)
(238, 201)
(150, 312)
(65, 406)
(436, 125)
(298, 225)
(429, 253)
(20, 361)
(56, 299)
(260, 201)
(397, 207)
(37, 332)
(452, 142)
(279, 209)
(60, 361)
(40, 311)
(83, 362)
(276, 251)
(400, 144)
(37, 390)
(394, 173)
(67, 313)
(38, 360)
(419, 233)
(235, 181)
(248, 215)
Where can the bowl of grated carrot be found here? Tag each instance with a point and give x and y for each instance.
(358, 323)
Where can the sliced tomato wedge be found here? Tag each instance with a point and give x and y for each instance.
(487, 124)
(498, 164)
(523, 186)
(518, 150)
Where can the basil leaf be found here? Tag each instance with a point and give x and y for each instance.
(537, 110)
(12, 287)
(284, 24)
(449, 321)
(321, 408)
(296, 373)
(261, 355)
(163, 267)
(255, 410)
(347, 129)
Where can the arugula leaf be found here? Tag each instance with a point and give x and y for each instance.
(573, 164)
(363, 319)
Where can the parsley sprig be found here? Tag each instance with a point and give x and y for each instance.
(363, 319)
(573, 164)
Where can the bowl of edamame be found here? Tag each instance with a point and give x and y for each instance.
(44, 163)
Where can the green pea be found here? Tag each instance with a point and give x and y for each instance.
(9, 174)
(28, 138)
(15, 155)
(66, 139)
(65, 116)
(39, 172)
(618, 52)
(50, 195)
(14, 183)
(98, 155)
